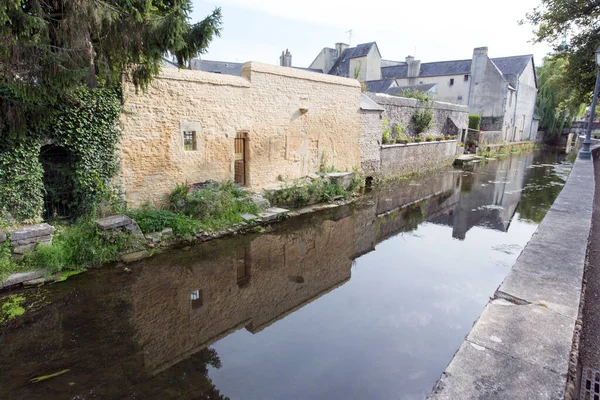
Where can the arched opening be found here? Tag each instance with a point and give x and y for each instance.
(58, 182)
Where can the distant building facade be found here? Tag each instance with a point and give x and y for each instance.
(502, 90)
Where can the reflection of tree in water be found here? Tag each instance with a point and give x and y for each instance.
(88, 331)
(542, 187)
(414, 215)
(189, 379)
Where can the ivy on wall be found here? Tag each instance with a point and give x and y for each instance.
(86, 126)
(21, 187)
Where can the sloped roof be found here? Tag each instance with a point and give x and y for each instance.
(457, 67)
(379, 86)
(507, 65)
(396, 71)
(419, 88)
(218, 67)
(342, 64)
(317, 70)
(512, 65)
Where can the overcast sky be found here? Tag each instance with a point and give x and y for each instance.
(433, 30)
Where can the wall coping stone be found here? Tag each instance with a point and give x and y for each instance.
(21, 277)
(30, 231)
(520, 346)
(386, 99)
(253, 66)
(113, 222)
(387, 146)
(3, 237)
(187, 75)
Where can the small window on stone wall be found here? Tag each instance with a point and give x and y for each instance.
(466, 78)
(459, 97)
(189, 140)
(451, 81)
(196, 299)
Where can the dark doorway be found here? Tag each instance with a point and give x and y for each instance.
(58, 182)
(241, 142)
(243, 265)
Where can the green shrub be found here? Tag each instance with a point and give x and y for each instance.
(75, 246)
(422, 120)
(474, 121)
(317, 191)
(155, 220)
(414, 94)
(216, 205)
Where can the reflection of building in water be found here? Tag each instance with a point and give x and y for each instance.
(490, 198)
(219, 289)
(403, 206)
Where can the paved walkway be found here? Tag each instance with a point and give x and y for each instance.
(589, 351)
(520, 347)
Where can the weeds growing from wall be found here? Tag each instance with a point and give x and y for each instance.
(215, 206)
(422, 120)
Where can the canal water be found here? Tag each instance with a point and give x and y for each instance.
(368, 301)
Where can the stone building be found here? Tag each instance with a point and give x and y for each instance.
(267, 124)
(502, 90)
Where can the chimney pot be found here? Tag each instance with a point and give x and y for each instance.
(340, 47)
(480, 51)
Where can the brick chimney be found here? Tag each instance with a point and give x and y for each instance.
(285, 60)
(340, 47)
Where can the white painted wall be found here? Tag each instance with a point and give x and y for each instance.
(445, 92)
(527, 94)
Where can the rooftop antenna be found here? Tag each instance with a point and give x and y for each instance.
(349, 37)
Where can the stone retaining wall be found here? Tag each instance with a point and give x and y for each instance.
(448, 118)
(23, 240)
(402, 159)
(520, 347)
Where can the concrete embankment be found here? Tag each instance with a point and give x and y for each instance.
(521, 345)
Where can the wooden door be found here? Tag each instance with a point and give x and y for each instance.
(240, 145)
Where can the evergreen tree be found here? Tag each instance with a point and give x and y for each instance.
(49, 47)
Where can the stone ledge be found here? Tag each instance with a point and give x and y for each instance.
(21, 277)
(30, 231)
(521, 345)
(389, 146)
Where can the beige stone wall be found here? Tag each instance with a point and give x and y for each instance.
(265, 102)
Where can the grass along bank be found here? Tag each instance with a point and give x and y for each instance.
(207, 207)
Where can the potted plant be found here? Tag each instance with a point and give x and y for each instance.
(418, 139)
(439, 138)
(429, 138)
(447, 137)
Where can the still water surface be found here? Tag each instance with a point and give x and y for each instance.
(368, 301)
